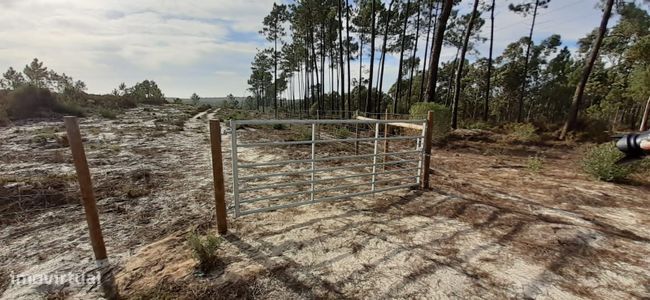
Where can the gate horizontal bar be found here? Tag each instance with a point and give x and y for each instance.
(320, 122)
(269, 144)
(322, 159)
(325, 169)
(324, 199)
(396, 179)
(306, 182)
(273, 197)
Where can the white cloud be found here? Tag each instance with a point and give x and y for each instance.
(106, 42)
(197, 45)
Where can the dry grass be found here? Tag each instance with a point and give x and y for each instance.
(34, 193)
(5, 280)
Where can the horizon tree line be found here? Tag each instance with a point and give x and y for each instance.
(529, 82)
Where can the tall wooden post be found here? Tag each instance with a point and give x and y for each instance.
(428, 135)
(217, 174)
(90, 206)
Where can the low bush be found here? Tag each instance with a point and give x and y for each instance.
(69, 108)
(535, 163)
(600, 162)
(478, 125)
(111, 102)
(279, 126)
(301, 134)
(202, 107)
(522, 133)
(342, 133)
(5, 280)
(204, 250)
(27, 101)
(4, 118)
(107, 113)
(592, 130)
(237, 115)
(441, 118)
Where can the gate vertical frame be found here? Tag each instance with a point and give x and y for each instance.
(235, 173)
(374, 158)
(313, 163)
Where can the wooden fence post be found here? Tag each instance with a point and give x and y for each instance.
(90, 206)
(217, 174)
(428, 135)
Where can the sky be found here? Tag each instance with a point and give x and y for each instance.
(198, 46)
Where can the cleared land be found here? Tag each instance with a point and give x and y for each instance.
(490, 227)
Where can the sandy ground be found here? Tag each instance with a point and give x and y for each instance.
(150, 179)
(489, 228)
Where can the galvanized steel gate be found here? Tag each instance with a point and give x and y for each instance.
(251, 184)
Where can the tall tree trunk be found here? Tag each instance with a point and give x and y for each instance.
(415, 49)
(488, 90)
(426, 50)
(314, 71)
(461, 64)
(323, 54)
(360, 69)
(383, 48)
(332, 105)
(347, 42)
(401, 57)
(436, 47)
(275, 77)
(450, 88)
(524, 83)
(593, 56)
(293, 94)
(341, 64)
(646, 114)
(372, 59)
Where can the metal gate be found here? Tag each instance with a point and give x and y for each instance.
(253, 193)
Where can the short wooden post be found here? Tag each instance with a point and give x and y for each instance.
(217, 174)
(428, 135)
(90, 206)
(385, 140)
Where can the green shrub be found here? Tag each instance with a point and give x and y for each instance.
(204, 250)
(522, 132)
(592, 130)
(4, 118)
(27, 100)
(301, 134)
(535, 163)
(441, 118)
(107, 113)
(110, 101)
(342, 133)
(279, 127)
(69, 108)
(600, 162)
(478, 125)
